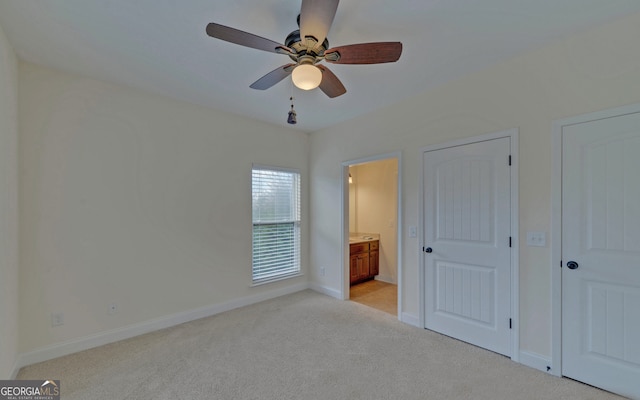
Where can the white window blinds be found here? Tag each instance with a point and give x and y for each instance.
(276, 223)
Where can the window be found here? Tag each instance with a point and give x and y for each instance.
(276, 223)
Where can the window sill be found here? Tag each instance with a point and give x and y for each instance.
(276, 279)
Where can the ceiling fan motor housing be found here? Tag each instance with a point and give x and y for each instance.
(309, 46)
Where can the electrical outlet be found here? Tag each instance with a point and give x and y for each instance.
(112, 309)
(321, 271)
(57, 319)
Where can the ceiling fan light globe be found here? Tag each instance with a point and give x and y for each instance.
(306, 77)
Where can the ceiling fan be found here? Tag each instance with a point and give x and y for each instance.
(307, 47)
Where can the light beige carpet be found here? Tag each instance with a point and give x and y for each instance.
(300, 346)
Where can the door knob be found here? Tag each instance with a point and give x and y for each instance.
(428, 250)
(572, 265)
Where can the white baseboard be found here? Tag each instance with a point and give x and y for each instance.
(411, 319)
(536, 361)
(14, 372)
(114, 335)
(326, 290)
(387, 279)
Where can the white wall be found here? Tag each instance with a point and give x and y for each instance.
(376, 209)
(591, 71)
(135, 199)
(8, 208)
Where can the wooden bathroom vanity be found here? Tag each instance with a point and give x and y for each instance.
(363, 259)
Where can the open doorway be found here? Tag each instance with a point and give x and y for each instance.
(371, 219)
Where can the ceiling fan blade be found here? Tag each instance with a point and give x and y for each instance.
(364, 53)
(273, 77)
(316, 17)
(242, 38)
(330, 84)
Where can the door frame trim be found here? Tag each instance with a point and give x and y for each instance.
(513, 134)
(345, 282)
(556, 221)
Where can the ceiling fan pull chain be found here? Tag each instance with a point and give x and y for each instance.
(291, 118)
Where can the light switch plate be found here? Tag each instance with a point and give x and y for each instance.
(537, 239)
(413, 231)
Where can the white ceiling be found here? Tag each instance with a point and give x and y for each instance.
(161, 46)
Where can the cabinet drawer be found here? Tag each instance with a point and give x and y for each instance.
(374, 245)
(358, 248)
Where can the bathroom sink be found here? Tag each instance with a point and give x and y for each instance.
(360, 239)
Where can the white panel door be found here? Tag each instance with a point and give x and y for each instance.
(601, 244)
(467, 260)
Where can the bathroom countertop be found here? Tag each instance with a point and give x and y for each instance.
(363, 237)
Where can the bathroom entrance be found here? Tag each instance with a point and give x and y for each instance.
(371, 221)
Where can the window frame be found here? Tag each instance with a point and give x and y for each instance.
(295, 220)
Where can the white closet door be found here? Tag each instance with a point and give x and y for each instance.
(601, 253)
(467, 261)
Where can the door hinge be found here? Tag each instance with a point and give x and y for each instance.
(509, 241)
(510, 323)
(509, 159)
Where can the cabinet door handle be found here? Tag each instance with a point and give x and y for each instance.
(427, 249)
